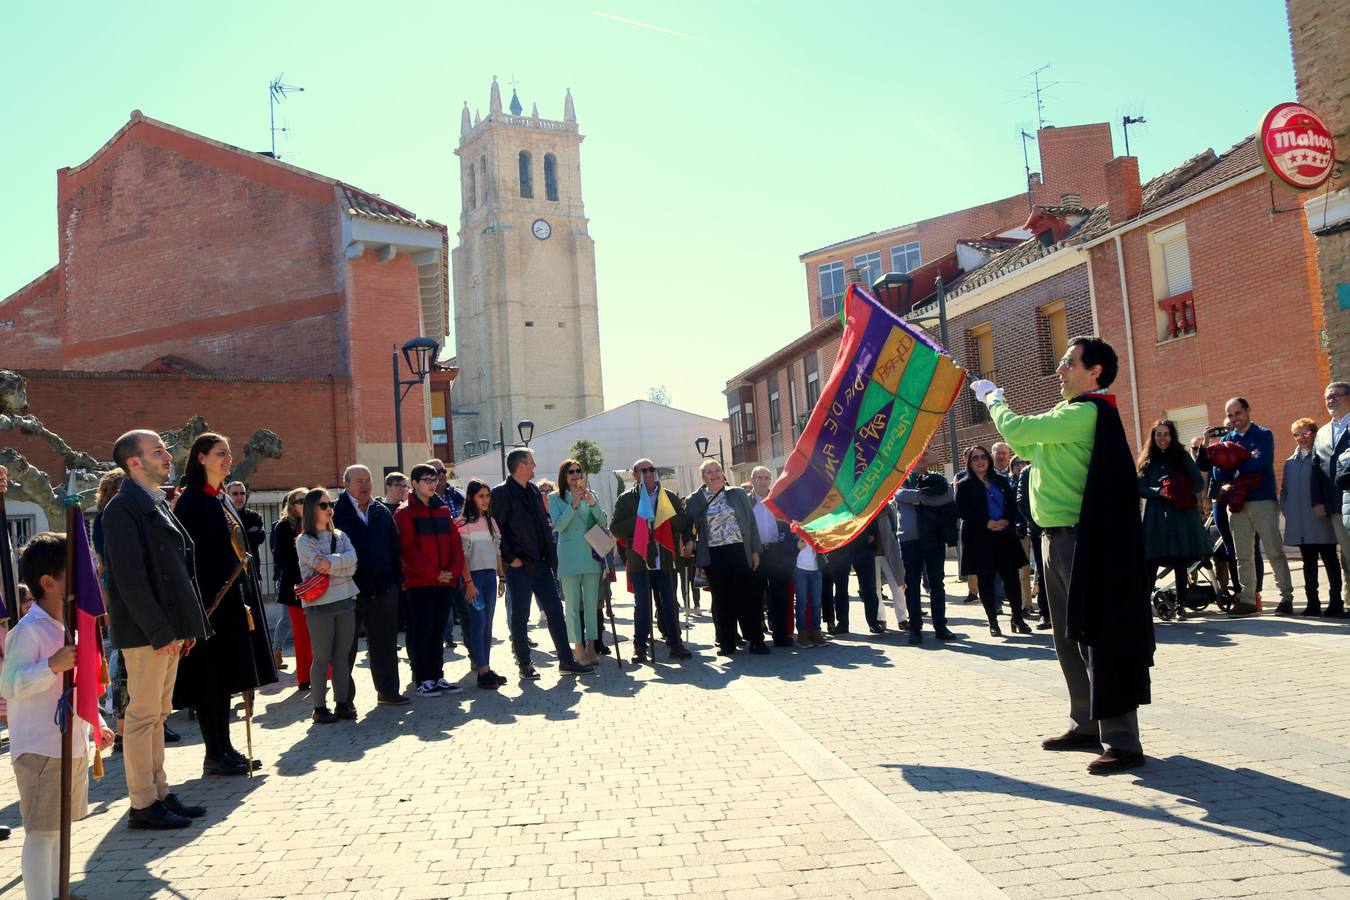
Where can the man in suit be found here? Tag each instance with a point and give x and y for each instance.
(155, 614)
(1332, 442)
(370, 526)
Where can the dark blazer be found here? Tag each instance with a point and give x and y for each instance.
(148, 557)
(285, 561)
(523, 522)
(1029, 526)
(983, 550)
(376, 543)
(254, 530)
(235, 659)
(1328, 460)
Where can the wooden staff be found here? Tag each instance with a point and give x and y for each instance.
(8, 586)
(74, 519)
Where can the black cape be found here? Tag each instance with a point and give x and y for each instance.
(1109, 607)
(234, 659)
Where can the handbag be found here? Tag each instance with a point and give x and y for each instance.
(316, 585)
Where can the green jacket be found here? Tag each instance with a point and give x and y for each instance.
(1059, 442)
(625, 522)
(575, 556)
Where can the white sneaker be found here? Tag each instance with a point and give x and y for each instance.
(448, 687)
(428, 689)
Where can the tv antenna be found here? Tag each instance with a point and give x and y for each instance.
(1125, 123)
(276, 93)
(1026, 162)
(1038, 91)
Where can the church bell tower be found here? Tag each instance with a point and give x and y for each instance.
(527, 333)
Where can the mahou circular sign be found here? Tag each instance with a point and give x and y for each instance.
(1296, 147)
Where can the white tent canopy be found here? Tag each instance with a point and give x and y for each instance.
(663, 434)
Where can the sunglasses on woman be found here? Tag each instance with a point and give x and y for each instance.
(324, 504)
(574, 472)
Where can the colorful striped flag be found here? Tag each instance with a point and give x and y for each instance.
(890, 389)
(653, 521)
(88, 644)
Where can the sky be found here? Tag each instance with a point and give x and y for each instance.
(722, 139)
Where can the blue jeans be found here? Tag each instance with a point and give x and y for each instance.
(480, 620)
(535, 580)
(806, 583)
(663, 582)
(283, 632)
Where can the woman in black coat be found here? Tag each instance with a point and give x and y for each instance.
(238, 657)
(987, 504)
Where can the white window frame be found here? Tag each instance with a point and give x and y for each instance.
(904, 251)
(869, 263)
(831, 297)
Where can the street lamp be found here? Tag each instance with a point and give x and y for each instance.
(484, 445)
(893, 290)
(525, 428)
(701, 445)
(469, 447)
(420, 354)
(942, 336)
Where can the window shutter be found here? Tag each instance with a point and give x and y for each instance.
(1177, 265)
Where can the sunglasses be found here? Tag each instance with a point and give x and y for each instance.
(574, 472)
(646, 469)
(978, 457)
(324, 504)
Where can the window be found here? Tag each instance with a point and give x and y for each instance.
(737, 430)
(831, 288)
(1191, 422)
(1057, 327)
(526, 175)
(792, 399)
(777, 445)
(905, 257)
(1170, 258)
(775, 422)
(473, 186)
(482, 167)
(980, 346)
(748, 417)
(869, 268)
(811, 366)
(550, 177)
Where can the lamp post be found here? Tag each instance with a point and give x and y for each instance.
(896, 287)
(484, 445)
(701, 445)
(525, 428)
(469, 447)
(420, 354)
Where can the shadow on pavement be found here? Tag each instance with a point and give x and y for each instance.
(1231, 799)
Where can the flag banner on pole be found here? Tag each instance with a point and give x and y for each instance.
(890, 390)
(88, 644)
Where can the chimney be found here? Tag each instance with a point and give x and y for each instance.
(1124, 195)
(1071, 200)
(853, 275)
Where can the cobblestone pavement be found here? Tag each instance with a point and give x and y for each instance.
(867, 768)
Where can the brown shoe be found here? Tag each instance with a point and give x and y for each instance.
(1113, 761)
(680, 651)
(804, 640)
(818, 638)
(1072, 740)
(1243, 610)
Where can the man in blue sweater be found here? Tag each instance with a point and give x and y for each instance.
(1259, 513)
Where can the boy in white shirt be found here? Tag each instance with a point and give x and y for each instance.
(31, 682)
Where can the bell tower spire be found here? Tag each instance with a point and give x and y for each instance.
(495, 99)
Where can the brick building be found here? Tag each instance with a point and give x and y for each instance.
(765, 403)
(1319, 31)
(199, 278)
(1202, 288)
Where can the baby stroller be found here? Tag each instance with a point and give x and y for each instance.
(1204, 586)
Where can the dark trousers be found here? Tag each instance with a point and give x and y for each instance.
(865, 567)
(378, 613)
(1012, 587)
(428, 608)
(1311, 553)
(213, 718)
(535, 580)
(662, 583)
(459, 614)
(777, 594)
(735, 599)
(1038, 567)
(834, 598)
(1179, 574)
(924, 563)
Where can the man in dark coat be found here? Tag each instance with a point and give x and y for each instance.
(1084, 497)
(254, 529)
(370, 526)
(653, 576)
(155, 616)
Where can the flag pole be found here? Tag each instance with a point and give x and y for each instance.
(66, 710)
(8, 586)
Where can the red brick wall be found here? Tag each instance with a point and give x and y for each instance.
(171, 245)
(90, 411)
(30, 323)
(938, 236)
(1023, 356)
(1071, 162)
(383, 306)
(1257, 308)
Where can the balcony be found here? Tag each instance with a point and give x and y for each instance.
(1178, 316)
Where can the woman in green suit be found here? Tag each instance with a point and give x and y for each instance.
(575, 511)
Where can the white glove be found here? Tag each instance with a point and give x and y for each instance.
(984, 388)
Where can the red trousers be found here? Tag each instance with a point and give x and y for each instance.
(304, 656)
